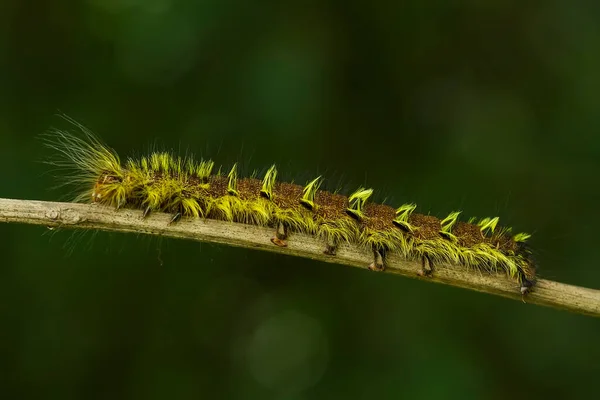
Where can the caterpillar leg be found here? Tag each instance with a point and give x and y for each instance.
(378, 263)
(331, 247)
(175, 218)
(120, 204)
(526, 285)
(281, 234)
(147, 212)
(427, 269)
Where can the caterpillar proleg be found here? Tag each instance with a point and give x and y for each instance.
(189, 188)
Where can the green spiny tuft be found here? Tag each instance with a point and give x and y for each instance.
(357, 202)
(179, 168)
(190, 166)
(232, 183)
(488, 224)
(269, 183)
(161, 162)
(402, 215)
(204, 169)
(308, 193)
(144, 164)
(447, 224)
(521, 237)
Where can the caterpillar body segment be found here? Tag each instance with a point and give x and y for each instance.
(188, 188)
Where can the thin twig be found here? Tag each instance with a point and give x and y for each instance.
(91, 216)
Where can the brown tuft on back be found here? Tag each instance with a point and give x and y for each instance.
(218, 186)
(428, 227)
(249, 188)
(287, 195)
(331, 206)
(379, 217)
(467, 234)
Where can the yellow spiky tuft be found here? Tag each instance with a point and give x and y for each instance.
(308, 193)
(488, 224)
(335, 232)
(521, 237)
(269, 183)
(232, 183)
(357, 202)
(203, 170)
(447, 224)
(402, 214)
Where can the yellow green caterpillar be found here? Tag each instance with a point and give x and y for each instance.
(186, 187)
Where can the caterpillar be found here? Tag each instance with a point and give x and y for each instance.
(185, 187)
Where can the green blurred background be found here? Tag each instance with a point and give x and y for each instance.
(490, 107)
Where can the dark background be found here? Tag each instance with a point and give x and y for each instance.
(490, 107)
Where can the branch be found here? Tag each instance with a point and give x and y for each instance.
(92, 216)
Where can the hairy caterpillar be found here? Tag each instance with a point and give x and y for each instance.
(184, 187)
